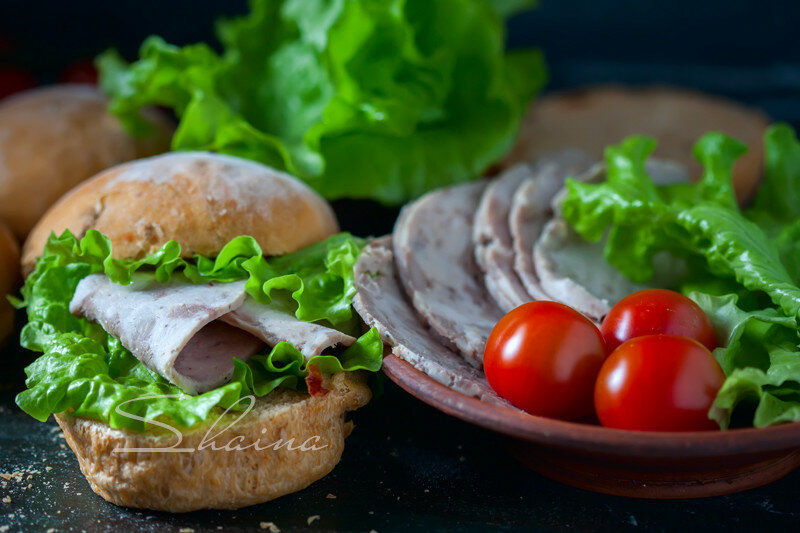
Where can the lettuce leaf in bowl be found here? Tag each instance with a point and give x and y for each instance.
(360, 98)
(745, 265)
(88, 372)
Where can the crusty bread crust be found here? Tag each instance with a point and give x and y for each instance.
(53, 138)
(593, 118)
(200, 199)
(9, 278)
(222, 479)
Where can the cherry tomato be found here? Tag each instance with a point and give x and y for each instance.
(13, 80)
(654, 311)
(82, 71)
(658, 383)
(544, 358)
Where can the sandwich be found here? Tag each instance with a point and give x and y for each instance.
(199, 345)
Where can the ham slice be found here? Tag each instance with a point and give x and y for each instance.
(275, 325)
(436, 263)
(381, 302)
(190, 333)
(493, 251)
(530, 210)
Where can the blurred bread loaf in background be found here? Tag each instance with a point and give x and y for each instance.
(55, 137)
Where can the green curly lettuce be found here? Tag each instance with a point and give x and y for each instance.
(359, 98)
(745, 265)
(88, 372)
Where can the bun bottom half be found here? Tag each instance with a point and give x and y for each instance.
(211, 476)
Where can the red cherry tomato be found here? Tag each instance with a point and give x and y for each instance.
(14, 80)
(544, 358)
(655, 311)
(82, 71)
(658, 383)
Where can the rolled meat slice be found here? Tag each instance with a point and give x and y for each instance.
(436, 263)
(381, 302)
(190, 333)
(157, 321)
(276, 325)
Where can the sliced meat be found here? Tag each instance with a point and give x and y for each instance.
(157, 321)
(492, 240)
(530, 209)
(189, 333)
(436, 263)
(381, 302)
(275, 325)
(574, 271)
(494, 251)
(207, 359)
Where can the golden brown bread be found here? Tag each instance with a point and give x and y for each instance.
(199, 199)
(53, 138)
(222, 479)
(9, 278)
(593, 118)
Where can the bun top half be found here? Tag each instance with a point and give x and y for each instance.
(200, 199)
(55, 137)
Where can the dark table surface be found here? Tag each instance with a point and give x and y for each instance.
(407, 466)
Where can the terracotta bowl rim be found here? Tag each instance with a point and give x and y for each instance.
(589, 438)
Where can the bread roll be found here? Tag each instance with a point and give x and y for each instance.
(199, 199)
(53, 138)
(594, 118)
(218, 478)
(9, 277)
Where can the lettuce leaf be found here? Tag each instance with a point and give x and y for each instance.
(88, 372)
(761, 358)
(697, 222)
(745, 265)
(361, 98)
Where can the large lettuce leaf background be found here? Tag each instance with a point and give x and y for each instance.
(382, 99)
(88, 372)
(745, 265)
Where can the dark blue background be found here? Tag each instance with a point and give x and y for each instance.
(745, 49)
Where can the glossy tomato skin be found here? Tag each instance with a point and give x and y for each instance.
(544, 357)
(658, 383)
(657, 311)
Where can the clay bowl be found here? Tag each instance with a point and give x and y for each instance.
(625, 463)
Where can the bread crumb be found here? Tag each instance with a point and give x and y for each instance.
(186, 530)
(3, 529)
(7, 499)
(331, 496)
(312, 519)
(48, 468)
(51, 530)
(271, 526)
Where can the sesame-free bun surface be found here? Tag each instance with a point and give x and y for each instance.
(211, 478)
(200, 199)
(9, 277)
(53, 138)
(594, 118)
